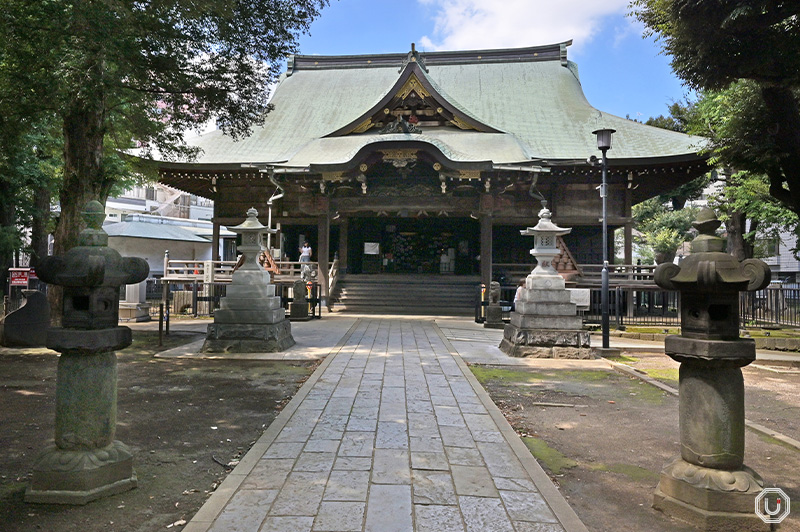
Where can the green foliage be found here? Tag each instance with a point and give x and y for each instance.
(30, 154)
(120, 75)
(748, 54)
(660, 229)
(159, 67)
(680, 115)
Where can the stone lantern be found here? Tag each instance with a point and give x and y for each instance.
(86, 462)
(251, 318)
(545, 323)
(708, 484)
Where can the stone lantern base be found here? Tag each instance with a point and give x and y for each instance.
(251, 319)
(545, 325)
(710, 499)
(81, 476)
(248, 338)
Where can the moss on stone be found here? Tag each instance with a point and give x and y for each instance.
(588, 375)
(624, 359)
(549, 457)
(774, 441)
(486, 374)
(668, 375)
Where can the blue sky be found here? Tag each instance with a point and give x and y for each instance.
(621, 73)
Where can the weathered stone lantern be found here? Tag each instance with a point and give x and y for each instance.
(251, 318)
(86, 462)
(708, 484)
(545, 323)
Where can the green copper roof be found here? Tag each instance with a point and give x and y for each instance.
(152, 230)
(531, 95)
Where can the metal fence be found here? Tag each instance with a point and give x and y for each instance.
(776, 305)
(202, 299)
(640, 306)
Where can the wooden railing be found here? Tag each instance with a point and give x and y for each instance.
(333, 276)
(220, 271)
(625, 275)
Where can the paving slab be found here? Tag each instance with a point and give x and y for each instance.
(314, 340)
(391, 432)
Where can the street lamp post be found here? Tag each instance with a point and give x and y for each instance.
(604, 144)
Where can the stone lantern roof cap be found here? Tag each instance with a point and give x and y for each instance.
(251, 224)
(545, 226)
(709, 268)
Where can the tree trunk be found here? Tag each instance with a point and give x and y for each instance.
(738, 246)
(7, 222)
(784, 112)
(41, 217)
(84, 179)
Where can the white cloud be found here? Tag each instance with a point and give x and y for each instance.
(481, 24)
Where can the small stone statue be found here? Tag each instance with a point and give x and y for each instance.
(299, 292)
(494, 293)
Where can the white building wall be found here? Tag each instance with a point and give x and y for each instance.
(784, 262)
(153, 250)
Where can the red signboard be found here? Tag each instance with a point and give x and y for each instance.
(19, 277)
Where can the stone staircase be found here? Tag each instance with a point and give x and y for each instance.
(430, 295)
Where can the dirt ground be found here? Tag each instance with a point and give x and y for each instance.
(771, 397)
(187, 422)
(606, 452)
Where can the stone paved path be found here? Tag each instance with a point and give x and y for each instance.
(391, 433)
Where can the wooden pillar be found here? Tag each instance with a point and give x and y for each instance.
(486, 250)
(323, 243)
(215, 238)
(344, 227)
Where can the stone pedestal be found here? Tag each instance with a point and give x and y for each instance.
(251, 318)
(494, 317)
(135, 306)
(545, 323)
(86, 462)
(710, 499)
(298, 308)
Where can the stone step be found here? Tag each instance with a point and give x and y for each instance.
(425, 310)
(415, 295)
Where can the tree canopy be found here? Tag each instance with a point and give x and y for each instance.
(753, 48)
(137, 74)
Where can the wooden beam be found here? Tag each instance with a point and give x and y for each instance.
(323, 243)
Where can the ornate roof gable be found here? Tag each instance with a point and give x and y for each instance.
(413, 103)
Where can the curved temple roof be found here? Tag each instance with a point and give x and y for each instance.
(511, 106)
